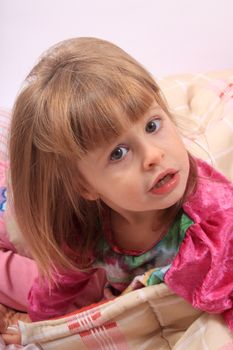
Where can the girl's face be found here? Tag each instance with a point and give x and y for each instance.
(145, 169)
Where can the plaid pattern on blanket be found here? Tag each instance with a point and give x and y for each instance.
(148, 318)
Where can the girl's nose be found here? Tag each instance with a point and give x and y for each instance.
(152, 157)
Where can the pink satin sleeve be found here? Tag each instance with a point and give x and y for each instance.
(202, 272)
(72, 290)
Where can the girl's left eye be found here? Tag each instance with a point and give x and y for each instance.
(118, 153)
(153, 125)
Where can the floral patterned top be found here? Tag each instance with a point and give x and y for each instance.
(123, 267)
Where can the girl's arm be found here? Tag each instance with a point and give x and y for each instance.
(72, 290)
(202, 272)
(21, 289)
(17, 276)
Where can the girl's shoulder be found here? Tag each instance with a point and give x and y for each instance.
(202, 271)
(213, 194)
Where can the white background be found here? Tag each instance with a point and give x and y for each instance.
(167, 36)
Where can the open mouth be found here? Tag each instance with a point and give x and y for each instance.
(165, 184)
(164, 180)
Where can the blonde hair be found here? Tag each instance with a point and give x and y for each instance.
(83, 92)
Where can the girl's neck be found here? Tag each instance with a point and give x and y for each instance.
(137, 231)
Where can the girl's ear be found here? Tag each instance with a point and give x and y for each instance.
(86, 190)
(89, 194)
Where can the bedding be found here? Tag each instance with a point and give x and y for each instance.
(148, 318)
(202, 105)
(153, 317)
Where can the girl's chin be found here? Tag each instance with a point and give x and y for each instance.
(171, 200)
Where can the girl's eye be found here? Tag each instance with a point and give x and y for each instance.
(118, 153)
(153, 125)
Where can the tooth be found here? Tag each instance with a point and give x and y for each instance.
(163, 180)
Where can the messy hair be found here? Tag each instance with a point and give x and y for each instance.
(82, 93)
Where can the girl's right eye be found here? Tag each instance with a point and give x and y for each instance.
(118, 153)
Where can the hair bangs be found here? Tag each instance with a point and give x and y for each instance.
(107, 109)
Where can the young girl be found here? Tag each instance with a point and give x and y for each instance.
(100, 179)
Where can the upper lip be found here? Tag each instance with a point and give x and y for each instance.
(162, 175)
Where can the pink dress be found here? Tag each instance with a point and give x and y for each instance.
(202, 272)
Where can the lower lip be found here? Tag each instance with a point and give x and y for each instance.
(168, 186)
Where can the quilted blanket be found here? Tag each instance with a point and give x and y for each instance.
(148, 318)
(153, 317)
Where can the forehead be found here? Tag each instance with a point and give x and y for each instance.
(104, 115)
